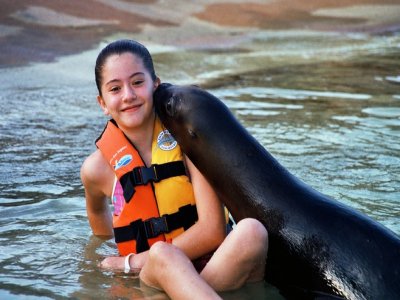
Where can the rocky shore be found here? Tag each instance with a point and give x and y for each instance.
(42, 30)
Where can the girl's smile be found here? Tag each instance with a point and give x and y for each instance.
(131, 108)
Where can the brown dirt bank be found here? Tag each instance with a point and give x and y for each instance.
(286, 14)
(34, 40)
(41, 30)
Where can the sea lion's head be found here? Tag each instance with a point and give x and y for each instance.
(188, 112)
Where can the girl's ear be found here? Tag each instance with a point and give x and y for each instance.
(156, 83)
(103, 105)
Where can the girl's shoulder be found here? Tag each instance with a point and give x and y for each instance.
(95, 171)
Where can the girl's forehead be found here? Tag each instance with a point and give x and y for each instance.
(125, 58)
(125, 62)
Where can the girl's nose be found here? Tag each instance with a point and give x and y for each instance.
(129, 93)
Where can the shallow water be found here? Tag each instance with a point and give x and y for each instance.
(326, 105)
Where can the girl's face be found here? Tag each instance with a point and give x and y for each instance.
(127, 91)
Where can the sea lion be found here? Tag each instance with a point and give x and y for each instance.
(318, 247)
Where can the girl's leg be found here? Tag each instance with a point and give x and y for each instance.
(169, 269)
(240, 258)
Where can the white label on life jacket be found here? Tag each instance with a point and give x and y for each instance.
(165, 141)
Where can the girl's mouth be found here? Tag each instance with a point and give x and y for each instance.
(132, 108)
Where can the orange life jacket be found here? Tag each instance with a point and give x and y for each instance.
(159, 200)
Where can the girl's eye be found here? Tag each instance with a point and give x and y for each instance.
(114, 89)
(137, 82)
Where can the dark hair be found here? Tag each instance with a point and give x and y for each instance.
(117, 48)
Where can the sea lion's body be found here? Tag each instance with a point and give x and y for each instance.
(316, 244)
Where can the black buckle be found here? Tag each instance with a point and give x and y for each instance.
(143, 175)
(155, 226)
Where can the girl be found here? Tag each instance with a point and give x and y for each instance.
(126, 168)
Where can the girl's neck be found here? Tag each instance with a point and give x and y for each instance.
(142, 139)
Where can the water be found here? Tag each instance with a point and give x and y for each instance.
(326, 105)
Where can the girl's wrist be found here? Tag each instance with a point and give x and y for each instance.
(127, 264)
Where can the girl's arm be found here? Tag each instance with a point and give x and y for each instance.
(95, 176)
(210, 230)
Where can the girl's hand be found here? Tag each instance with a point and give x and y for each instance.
(136, 261)
(113, 263)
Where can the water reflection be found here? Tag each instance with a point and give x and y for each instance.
(326, 106)
(342, 143)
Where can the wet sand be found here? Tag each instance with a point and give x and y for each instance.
(42, 30)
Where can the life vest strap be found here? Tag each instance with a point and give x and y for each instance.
(154, 173)
(185, 217)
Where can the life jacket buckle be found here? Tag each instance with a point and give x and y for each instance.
(143, 175)
(155, 226)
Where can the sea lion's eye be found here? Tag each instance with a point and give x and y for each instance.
(170, 107)
(192, 133)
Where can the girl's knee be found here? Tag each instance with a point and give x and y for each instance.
(252, 230)
(252, 236)
(166, 255)
(161, 253)
(159, 262)
(255, 236)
